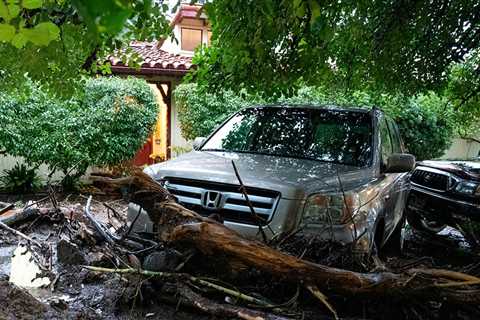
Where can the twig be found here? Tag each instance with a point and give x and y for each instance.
(457, 284)
(108, 237)
(36, 202)
(350, 214)
(20, 234)
(258, 220)
(323, 299)
(170, 275)
(51, 195)
(115, 213)
(132, 224)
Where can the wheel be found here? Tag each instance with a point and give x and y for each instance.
(421, 223)
(396, 242)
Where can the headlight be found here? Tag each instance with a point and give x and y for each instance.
(333, 208)
(468, 188)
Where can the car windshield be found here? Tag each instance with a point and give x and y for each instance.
(318, 134)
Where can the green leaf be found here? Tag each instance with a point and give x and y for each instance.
(20, 39)
(32, 4)
(6, 32)
(14, 10)
(43, 33)
(4, 13)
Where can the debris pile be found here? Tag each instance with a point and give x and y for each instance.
(85, 262)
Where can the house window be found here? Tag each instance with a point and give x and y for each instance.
(191, 38)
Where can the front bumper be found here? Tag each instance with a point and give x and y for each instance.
(440, 206)
(285, 220)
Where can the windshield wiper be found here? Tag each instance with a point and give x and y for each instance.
(218, 150)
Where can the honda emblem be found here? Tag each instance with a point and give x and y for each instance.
(211, 199)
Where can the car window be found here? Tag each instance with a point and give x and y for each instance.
(385, 140)
(308, 133)
(395, 136)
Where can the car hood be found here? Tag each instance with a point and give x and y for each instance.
(464, 169)
(293, 178)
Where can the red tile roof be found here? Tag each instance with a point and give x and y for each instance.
(155, 61)
(186, 11)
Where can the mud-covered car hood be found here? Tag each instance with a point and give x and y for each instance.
(293, 178)
(464, 169)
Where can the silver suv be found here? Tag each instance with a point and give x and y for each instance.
(340, 174)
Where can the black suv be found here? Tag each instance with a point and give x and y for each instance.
(444, 193)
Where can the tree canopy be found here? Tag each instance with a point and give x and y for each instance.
(57, 41)
(427, 127)
(273, 46)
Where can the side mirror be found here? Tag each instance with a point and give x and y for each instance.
(197, 143)
(400, 162)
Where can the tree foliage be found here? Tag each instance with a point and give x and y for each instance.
(200, 112)
(107, 124)
(426, 127)
(463, 92)
(56, 41)
(273, 46)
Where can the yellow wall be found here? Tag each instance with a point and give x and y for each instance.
(159, 141)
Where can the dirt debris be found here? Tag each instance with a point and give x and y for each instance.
(78, 293)
(17, 303)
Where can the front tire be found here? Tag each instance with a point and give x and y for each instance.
(396, 242)
(421, 223)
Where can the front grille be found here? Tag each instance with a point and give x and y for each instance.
(226, 200)
(430, 179)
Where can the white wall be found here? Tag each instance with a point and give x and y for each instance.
(462, 149)
(173, 45)
(8, 162)
(177, 140)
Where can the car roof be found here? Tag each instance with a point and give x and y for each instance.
(327, 107)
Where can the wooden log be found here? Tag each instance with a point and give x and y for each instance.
(177, 224)
(6, 207)
(16, 216)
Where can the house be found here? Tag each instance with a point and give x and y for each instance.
(163, 65)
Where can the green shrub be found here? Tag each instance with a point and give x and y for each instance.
(424, 121)
(200, 112)
(20, 179)
(426, 126)
(107, 124)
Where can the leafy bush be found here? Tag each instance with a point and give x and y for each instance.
(199, 112)
(108, 123)
(425, 121)
(426, 126)
(20, 179)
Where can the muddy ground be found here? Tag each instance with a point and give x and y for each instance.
(76, 293)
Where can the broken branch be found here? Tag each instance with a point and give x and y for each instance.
(20, 234)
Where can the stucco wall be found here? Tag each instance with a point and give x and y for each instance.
(173, 45)
(7, 162)
(462, 149)
(177, 140)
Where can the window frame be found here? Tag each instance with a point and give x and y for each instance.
(383, 125)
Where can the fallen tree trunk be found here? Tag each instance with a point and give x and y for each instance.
(15, 216)
(177, 224)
